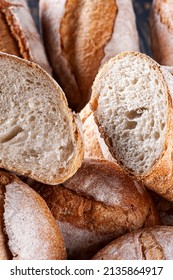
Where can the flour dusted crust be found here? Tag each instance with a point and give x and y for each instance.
(80, 36)
(161, 26)
(29, 229)
(154, 243)
(22, 26)
(94, 144)
(96, 205)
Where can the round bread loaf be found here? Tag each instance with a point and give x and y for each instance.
(28, 230)
(153, 243)
(99, 203)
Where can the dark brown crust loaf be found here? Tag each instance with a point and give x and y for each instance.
(31, 230)
(21, 34)
(153, 243)
(96, 205)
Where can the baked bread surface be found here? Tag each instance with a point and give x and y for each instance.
(29, 229)
(153, 243)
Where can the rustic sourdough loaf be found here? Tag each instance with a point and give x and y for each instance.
(28, 230)
(161, 29)
(132, 106)
(80, 36)
(96, 205)
(153, 243)
(19, 35)
(39, 136)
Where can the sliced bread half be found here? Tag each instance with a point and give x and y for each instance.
(39, 136)
(132, 106)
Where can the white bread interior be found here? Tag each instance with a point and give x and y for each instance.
(130, 103)
(38, 133)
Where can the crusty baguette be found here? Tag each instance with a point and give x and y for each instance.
(161, 25)
(133, 110)
(19, 35)
(29, 229)
(39, 137)
(153, 243)
(80, 36)
(96, 205)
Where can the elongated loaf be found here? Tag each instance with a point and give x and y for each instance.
(28, 230)
(19, 35)
(132, 105)
(161, 25)
(153, 243)
(39, 136)
(80, 36)
(96, 205)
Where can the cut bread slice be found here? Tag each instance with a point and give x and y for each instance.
(28, 230)
(39, 136)
(132, 106)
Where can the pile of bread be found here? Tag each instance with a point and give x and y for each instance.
(86, 132)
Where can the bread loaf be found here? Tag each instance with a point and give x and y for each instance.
(161, 25)
(28, 230)
(132, 105)
(19, 35)
(39, 136)
(96, 205)
(80, 36)
(153, 243)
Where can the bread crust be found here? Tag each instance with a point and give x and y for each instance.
(153, 243)
(78, 45)
(159, 177)
(75, 162)
(38, 236)
(94, 145)
(98, 204)
(22, 27)
(161, 27)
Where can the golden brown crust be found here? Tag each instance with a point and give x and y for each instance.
(92, 147)
(24, 32)
(99, 200)
(154, 243)
(83, 38)
(7, 43)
